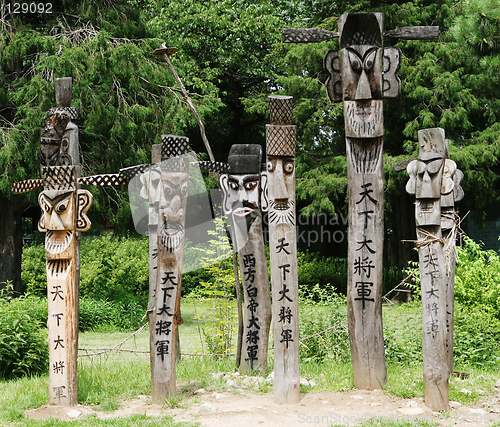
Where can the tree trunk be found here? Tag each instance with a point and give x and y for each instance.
(11, 242)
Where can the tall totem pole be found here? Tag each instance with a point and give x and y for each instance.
(64, 209)
(172, 193)
(243, 203)
(432, 181)
(361, 74)
(281, 140)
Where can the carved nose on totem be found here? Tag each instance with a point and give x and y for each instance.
(363, 90)
(426, 189)
(55, 222)
(280, 191)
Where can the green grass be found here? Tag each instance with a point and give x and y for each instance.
(105, 381)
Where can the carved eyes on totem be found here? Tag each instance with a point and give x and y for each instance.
(288, 166)
(432, 167)
(172, 190)
(248, 186)
(59, 208)
(359, 64)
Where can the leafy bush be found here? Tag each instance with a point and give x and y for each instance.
(476, 337)
(323, 328)
(477, 280)
(102, 315)
(330, 274)
(33, 273)
(23, 338)
(114, 269)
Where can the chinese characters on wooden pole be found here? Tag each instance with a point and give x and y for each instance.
(242, 190)
(281, 140)
(361, 74)
(172, 198)
(429, 183)
(63, 215)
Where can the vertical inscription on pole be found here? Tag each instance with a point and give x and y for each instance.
(168, 190)
(428, 184)
(242, 190)
(281, 139)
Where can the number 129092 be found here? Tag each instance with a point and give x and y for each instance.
(25, 8)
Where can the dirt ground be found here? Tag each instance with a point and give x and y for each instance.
(245, 408)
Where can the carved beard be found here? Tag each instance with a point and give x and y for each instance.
(56, 242)
(282, 213)
(171, 234)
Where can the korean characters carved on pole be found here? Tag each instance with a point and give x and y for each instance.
(172, 192)
(244, 198)
(63, 214)
(281, 140)
(429, 183)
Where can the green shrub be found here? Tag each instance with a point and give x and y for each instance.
(477, 279)
(99, 315)
(330, 274)
(323, 328)
(476, 337)
(23, 338)
(33, 273)
(114, 269)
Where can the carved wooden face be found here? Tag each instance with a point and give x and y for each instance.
(172, 208)
(58, 210)
(427, 184)
(281, 189)
(63, 212)
(241, 203)
(361, 68)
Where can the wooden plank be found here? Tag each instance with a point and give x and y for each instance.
(414, 33)
(307, 35)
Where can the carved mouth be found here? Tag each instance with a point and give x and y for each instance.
(364, 111)
(281, 212)
(57, 241)
(242, 212)
(171, 235)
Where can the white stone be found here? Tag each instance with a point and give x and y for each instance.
(205, 408)
(199, 391)
(217, 375)
(271, 376)
(480, 377)
(219, 396)
(357, 397)
(411, 411)
(466, 392)
(477, 411)
(304, 382)
(312, 383)
(374, 404)
(74, 414)
(454, 404)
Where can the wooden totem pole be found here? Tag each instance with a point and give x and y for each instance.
(172, 195)
(243, 202)
(429, 183)
(281, 140)
(361, 74)
(64, 209)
